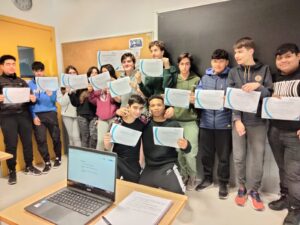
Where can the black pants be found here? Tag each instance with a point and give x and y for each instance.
(285, 146)
(210, 142)
(12, 126)
(48, 121)
(129, 170)
(166, 177)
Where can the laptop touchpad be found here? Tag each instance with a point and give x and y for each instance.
(56, 213)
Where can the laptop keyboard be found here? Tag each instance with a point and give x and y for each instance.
(77, 202)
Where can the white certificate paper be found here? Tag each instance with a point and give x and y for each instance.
(240, 100)
(124, 135)
(284, 108)
(209, 99)
(119, 87)
(177, 97)
(167, 136)
(16, 95)
(151, 67)
(47, 83)
(100, 81)
(75, 82)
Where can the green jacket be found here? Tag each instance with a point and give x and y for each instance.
(182, 114)
(157, 85)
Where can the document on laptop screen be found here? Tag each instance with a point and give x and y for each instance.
(93, 169)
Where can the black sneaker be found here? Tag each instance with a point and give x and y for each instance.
(280, 204)
(223, 191)
(57, 163)
(293, 217)
(47, 168)
(204, 184)
(31, 170)
(12, 177)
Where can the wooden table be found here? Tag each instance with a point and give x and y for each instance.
(16, 214)
(5, 156)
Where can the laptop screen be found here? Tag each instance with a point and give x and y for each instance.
(92, 170)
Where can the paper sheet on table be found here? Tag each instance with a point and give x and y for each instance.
(238, 99)
(124, 135)
(100, 81)
(119, 87)
(151, 67)
(47, 83)
(138, 209)
(284, 108)
(77, 82)
(167, 136)
(114, 57)
(209, 99)
(177, 97)
(16, 95)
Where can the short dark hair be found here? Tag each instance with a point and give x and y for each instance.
(68, 68)
(287, 47)
(37, 65)
(157, 43)
(185, 55)
(90, 70)
(246, 42)
(220, 54)
(155, 97)
(128, 54)
(6, 57)
(110, 69)
(136, 99)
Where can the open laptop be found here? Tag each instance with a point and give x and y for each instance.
(91, 187)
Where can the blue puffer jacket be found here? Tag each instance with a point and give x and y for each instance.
(215, 119)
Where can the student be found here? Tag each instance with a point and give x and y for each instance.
(106, 107)
(215, 126)
(44, 115)
(15, 120)
(249, 130)
(86, 116)
(161, 161)
(128, 63)
(128, 156)
(156, 85)
(187, 118)
(68, 111)
(284, 136)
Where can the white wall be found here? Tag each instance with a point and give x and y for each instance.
(76, 20)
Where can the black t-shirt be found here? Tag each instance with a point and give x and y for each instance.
(130, 153)
(287, 86)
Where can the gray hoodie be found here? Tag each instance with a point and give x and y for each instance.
(240, 75)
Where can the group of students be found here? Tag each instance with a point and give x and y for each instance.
(88, 115)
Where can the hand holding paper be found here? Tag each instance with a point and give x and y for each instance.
(167, 136)
(124, 135)
(16, 95)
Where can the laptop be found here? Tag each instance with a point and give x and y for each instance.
(91, 188)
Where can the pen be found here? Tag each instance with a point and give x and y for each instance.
(106, 220)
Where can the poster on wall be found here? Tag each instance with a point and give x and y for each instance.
(114, 57)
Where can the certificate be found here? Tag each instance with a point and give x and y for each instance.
(123, 135)
(114, 57)
(167, 136)
(284, 108)
(240, 100)
(177, 97)
(47, 83)
(100, 81)
(209, 99)
(16, 95)
(119, 87)
(151, 67)
(75, 82)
